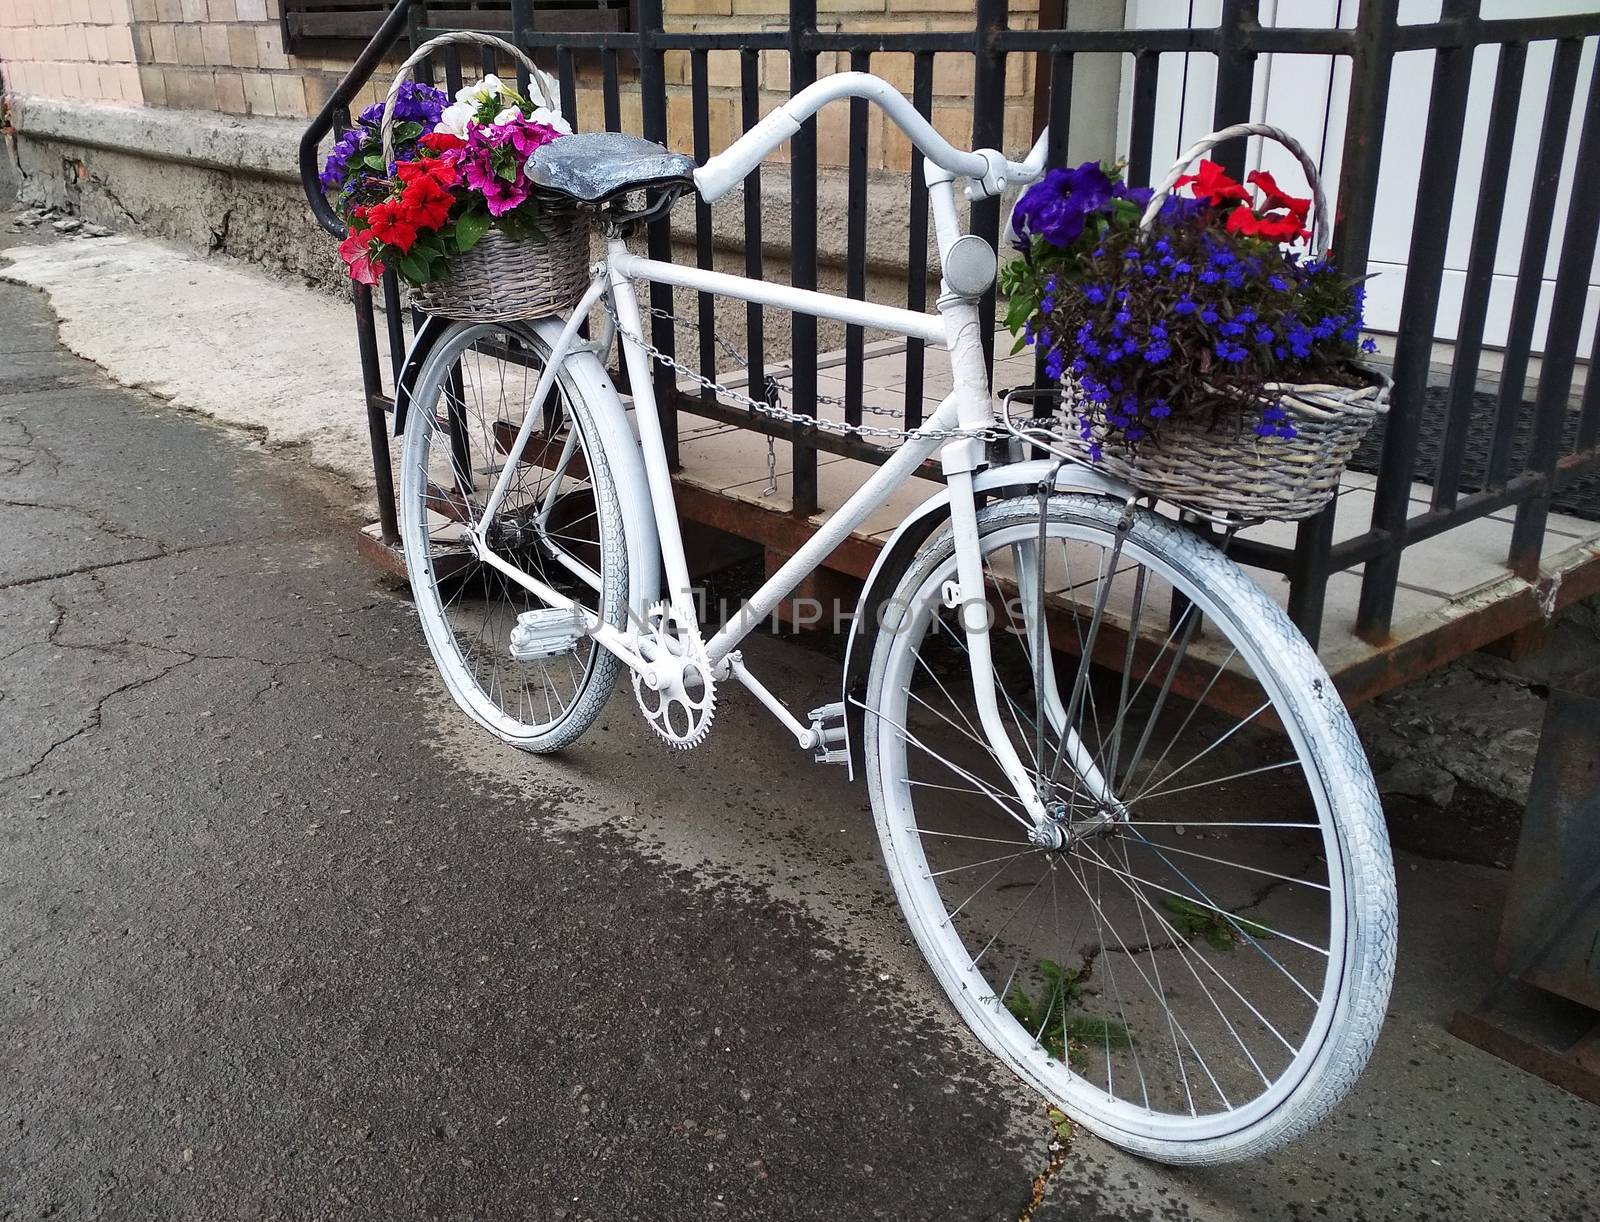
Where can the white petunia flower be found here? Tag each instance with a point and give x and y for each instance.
(477, 94)
(544, 83)
(456, 117)
(506, 115)
(551, 118)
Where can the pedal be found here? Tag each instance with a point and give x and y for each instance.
(827, 723)
(545, 633)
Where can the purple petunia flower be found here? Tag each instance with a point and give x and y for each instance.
(416, 103)
(337, 168)
(1056, 207)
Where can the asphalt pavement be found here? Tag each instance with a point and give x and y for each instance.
(281, 937)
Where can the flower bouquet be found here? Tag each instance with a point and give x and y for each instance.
(1202, 356)
(438, 190)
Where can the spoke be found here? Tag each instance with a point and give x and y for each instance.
(998, 798)
(1182, 949)
(956, 911)
(1192, 616)
(1178, 937)
(1194, 708)
(1151, 781)
(988, 861)
(1237, 865)
(1207, 823)
(1113, 742)
(1231, 917)
(1101, 924)
(1146, 795)
(1172, 1029)
(922, 831)
(1012, 916)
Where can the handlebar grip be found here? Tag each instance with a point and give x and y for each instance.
(730, 167)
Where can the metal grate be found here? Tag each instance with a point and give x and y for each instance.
(320, 27)
(1526, 452)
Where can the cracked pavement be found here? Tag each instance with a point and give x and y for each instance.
(284, 938)
(269, 953)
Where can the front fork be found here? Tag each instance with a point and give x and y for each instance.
(959, 459)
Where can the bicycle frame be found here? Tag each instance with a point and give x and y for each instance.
(969, 406)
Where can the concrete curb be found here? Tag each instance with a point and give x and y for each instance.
(214, 337)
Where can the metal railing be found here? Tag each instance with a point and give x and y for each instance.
(1525, 475)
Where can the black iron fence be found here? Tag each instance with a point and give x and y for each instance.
(1519, 468)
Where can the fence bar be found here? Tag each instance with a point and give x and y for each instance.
(610, 90)
(394, 322)
(803, 250)
(377, 422)
(452, 69)
(754, 321)
(416, 22)
(1236, 70)
(1561, 337)
(1059, 119)
(707, 314)
(521, 24)
(1358, 181)
(988, 131)
(1436, 186)
(1141, 129)
(1535, 246)
(856, 244)
(1589, 414)
(917, 238)
(658, 241)
(567, 80)
(1480, 273)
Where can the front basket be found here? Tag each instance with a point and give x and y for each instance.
(1222, 468)
(501, 278)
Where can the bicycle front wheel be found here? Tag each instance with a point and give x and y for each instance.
(1195, 963)
(507, 666)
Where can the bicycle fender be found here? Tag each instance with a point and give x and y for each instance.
(998, 482)
(616, 439)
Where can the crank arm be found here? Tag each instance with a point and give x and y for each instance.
(608, 637)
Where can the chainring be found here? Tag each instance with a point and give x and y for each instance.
(681, 708)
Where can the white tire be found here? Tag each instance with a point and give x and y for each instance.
(1176, 1078)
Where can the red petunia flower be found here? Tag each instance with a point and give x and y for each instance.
(441, 142)
(1277, 196)
(392, 226)
(356, 251)
(1213, 183)
(424, 203)
(434, 168)
(1274, 227)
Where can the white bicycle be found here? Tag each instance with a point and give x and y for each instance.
(1125, 812)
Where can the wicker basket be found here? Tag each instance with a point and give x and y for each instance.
(502, 278)
(1220, 466)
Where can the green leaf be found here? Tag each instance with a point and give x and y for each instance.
(406, 131)
(374, 161)
(471, 228)
(415, 268)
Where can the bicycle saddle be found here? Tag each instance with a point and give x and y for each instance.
(592, 167)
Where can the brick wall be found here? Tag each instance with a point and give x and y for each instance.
(887, 147)
(81, 49)
(227, 56)
(224, 55)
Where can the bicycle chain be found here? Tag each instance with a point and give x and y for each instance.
(777, 411)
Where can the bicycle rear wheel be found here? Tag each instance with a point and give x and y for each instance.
(560, 522)
(1200, 976)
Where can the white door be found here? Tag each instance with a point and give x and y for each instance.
(1306, 96)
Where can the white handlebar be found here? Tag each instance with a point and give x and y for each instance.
(989, 172)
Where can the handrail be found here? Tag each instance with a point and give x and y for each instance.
(344, 93)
